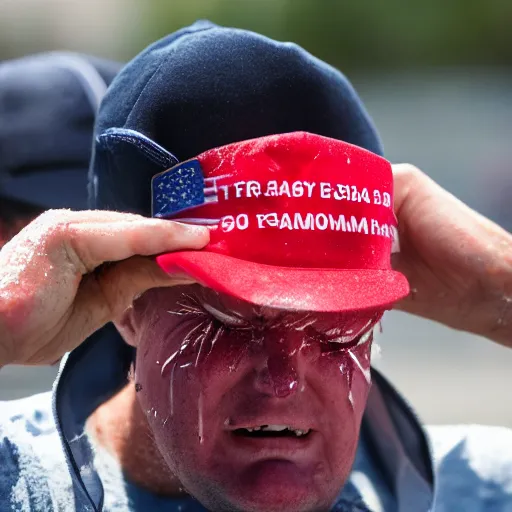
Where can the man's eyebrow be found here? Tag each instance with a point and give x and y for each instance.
(246, 310)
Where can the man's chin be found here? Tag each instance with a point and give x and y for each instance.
(277, 485)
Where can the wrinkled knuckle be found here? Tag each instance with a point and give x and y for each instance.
(410, 170)
(171, 229)
(58, 229)
(52, 217)
(53, 224)
(149, 239)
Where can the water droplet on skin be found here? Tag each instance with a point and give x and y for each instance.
(201, 341)
(283, 375)
(167, 362)
(366, 373)
(200, 418)
(351, 399)
(171, 388)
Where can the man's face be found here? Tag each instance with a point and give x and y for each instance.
(252, 408)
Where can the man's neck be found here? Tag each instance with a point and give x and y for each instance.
(120, 427)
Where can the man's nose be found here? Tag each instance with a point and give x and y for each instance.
(280, 367)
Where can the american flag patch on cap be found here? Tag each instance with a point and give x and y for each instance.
(180, 188)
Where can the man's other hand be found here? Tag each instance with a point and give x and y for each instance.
(459, 264)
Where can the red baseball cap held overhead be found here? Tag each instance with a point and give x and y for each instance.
(299, 221)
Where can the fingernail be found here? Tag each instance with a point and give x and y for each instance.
(193, 229)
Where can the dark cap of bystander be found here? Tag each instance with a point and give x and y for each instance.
(48, 105)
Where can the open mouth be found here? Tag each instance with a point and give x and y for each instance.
(271, 431)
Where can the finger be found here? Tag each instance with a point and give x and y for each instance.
(406, 179)
(63, 215)
(88, 245)
(105, 296)
(87, 239)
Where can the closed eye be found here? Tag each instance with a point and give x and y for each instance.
(343, 343)
(225, 318)
(358, 340)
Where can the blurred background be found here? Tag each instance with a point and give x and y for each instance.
(437, 78)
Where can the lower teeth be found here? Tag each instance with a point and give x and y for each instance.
(271, 433)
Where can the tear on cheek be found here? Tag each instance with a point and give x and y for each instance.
(355, 370)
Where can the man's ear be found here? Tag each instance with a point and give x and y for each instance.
(127, 327)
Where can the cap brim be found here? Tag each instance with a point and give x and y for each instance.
(326, 290)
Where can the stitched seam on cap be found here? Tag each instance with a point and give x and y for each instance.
(158, 154)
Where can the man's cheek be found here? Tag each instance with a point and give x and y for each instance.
(349, 374)
(173, 422)
(224, 370)
(156, 385)
(358, 362)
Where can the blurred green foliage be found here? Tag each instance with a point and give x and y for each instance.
(357, 34)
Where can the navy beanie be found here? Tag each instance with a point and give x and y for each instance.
(206, 86)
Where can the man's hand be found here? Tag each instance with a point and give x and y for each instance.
(53, 292)
(459, 264)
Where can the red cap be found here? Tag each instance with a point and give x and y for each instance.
(299, 221)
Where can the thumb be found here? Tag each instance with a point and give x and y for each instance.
(105, 295)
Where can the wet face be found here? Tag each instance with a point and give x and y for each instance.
(252, 408)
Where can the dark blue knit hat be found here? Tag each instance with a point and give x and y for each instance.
(206, 86)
